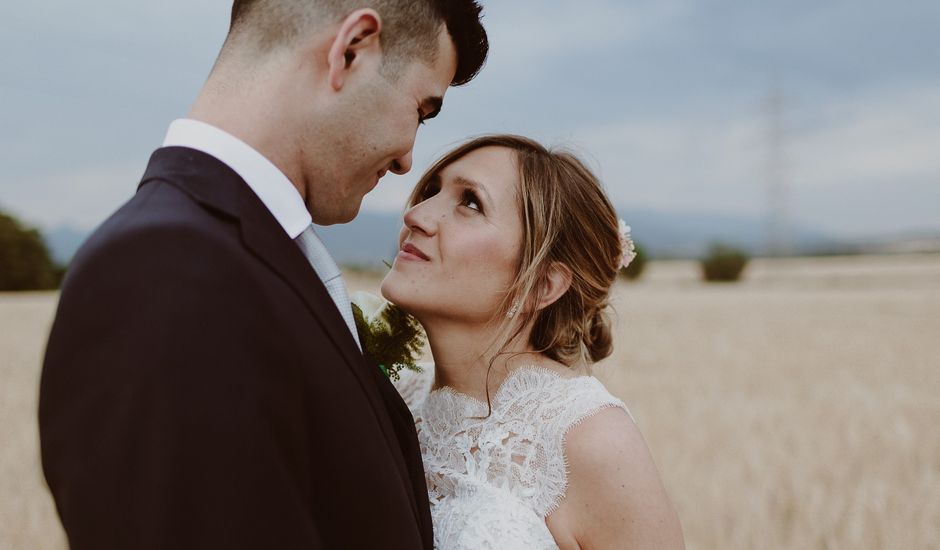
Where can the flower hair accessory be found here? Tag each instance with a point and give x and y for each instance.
(627, 249)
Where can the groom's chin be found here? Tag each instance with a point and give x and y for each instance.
(337, 216)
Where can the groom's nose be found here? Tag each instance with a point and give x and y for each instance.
(402, 164)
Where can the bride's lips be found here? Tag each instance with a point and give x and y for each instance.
(412, 253)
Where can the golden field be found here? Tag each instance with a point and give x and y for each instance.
(797, 409)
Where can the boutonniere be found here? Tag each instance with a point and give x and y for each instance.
(391, 337)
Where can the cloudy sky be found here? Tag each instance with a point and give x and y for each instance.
(667, 99)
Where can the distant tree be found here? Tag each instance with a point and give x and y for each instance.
(636, 267)
(724, 263)
(25, 263)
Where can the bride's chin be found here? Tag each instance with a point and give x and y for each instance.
(386, 288)
(388, 291)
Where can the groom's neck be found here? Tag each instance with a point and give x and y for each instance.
(252, 107)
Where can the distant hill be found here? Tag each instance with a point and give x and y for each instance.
(366, 242)
(906, 242)
(689, 234)
(373, 237)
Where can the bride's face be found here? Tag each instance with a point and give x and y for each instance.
(460, 244)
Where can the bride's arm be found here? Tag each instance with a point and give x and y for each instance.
(615, 497)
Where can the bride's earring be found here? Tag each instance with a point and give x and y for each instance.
(513, 310)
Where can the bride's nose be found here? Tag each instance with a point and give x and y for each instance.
(421, 218)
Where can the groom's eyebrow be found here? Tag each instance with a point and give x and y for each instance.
(432, 105)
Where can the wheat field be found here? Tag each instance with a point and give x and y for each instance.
(796, 409)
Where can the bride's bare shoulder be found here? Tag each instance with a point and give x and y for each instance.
(615, 496)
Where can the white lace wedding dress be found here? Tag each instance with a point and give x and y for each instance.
(492, 481)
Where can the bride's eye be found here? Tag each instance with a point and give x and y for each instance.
(470, 200)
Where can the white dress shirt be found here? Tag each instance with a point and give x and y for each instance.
(276, 192)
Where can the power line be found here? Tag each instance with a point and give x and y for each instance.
(777, 219)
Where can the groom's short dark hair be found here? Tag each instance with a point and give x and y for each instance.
(409, 27)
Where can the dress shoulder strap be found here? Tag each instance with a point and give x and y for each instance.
(562, 404)
(584, 397)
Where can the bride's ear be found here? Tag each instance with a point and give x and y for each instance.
(556, 282)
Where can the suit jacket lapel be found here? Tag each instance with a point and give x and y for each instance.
(213, 184)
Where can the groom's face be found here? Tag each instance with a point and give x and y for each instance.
(373, 130)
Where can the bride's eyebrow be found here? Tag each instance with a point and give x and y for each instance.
(474, 185)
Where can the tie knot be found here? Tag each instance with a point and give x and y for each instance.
(317, 254)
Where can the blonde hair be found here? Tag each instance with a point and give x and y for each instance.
(567, 219)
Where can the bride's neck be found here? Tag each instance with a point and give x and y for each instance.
(466, 357)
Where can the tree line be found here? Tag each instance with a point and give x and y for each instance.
(26, 264)
(25, 261)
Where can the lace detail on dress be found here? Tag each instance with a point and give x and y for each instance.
(415, 386)
(481, 516)
(514, 459)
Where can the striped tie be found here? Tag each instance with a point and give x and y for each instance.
(329, 273)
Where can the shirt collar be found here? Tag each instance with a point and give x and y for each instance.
(277, 193)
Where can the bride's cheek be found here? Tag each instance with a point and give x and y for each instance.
(479, 252)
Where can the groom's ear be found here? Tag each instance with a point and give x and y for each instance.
(556, 282)
(356, 37)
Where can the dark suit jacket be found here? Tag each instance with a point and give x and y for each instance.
(200, 389)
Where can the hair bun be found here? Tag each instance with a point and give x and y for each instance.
(598, 338)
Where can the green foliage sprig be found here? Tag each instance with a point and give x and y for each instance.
(392, 337)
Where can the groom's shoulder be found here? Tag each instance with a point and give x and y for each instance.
(160, 210)
(159, 225)
(181, 190)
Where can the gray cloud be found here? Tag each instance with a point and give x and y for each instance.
(663, 96)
